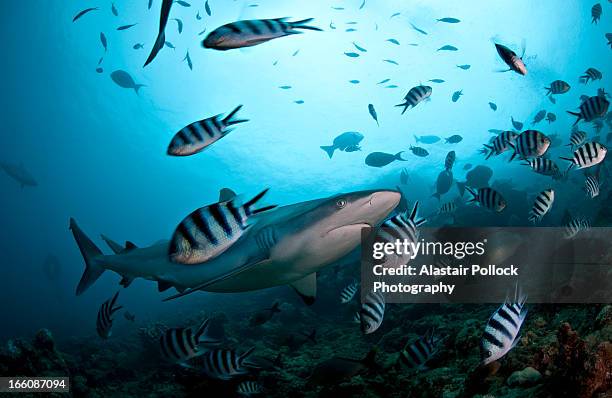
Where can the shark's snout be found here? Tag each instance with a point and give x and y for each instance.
(381, 204)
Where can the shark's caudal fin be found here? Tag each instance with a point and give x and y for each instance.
(89, 251)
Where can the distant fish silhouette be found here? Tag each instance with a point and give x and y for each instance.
(85, 11)
(19, 173)
(125, 80)
(126, 27)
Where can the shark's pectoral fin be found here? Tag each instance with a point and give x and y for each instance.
(114, 246)
(250, 263)
(307, 288)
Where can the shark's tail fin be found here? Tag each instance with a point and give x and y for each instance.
(89, 251)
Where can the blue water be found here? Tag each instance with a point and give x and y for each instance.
(98, 151)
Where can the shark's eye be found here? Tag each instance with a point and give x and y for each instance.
(341, 203)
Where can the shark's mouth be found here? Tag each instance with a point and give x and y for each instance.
(356, 226)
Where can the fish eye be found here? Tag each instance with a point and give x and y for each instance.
(489, 353)
(341, 203)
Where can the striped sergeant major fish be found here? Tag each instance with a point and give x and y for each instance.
(448, 207)
(249, 388)
(415, 96)
(104, 322)
(372, 312)
(197, 136)
(179, 345)
(596, 13)
(530, 143)
(248, 33)
(574, 225)
(500, 144)
(590, 74)
(226, 364)
(402, 227)
(502, 331)
(558, 87)
(542, 205)
(416, 354)
(210, 230)
(543, 166)
(591, 186)
(348, 292)
(514, 62)
(449, 161)
(488, 197)
(591, 108)
(587, 155)
(577, 138)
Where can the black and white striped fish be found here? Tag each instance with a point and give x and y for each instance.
(530, 143)
(592, 108)
(448, 207)
(596, 13)
(591, 74)
(197, 136)
(225, 364)
(248, 33)
(502, 331)
(450, 160)
(500, 144)
(577, 138)
(104, 322)
(402, 227)
(488, 197)
(372, 312)
(348, 292)
(417, 354)
(576, 225)
(419, 151)
(249, 388)
(415, 96)
(542, 166)
(591, 186)
(210, 230)
(542, 204)
(558, 87)
(179, 345)
(587, 155)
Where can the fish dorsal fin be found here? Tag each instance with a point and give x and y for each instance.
(306, 288)
(226, 194)
(130, 246)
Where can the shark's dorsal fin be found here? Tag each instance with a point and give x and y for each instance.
(130, 246)
(307, 288)
(114, 246)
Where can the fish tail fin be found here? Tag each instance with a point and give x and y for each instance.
(228, 121)
(159, 43)
(90, 252)
(416, 139)
(473, 193)
(256, 198)
(490, 151)
(329, 150)
(370, 359)
(405, 105)
(244, 356)
(302, 25)
(577, 115)
(548, 90)
(202, 329)
(313, 336)
(398, 156)
(138, 87)
(514, 153)
(461, 187)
